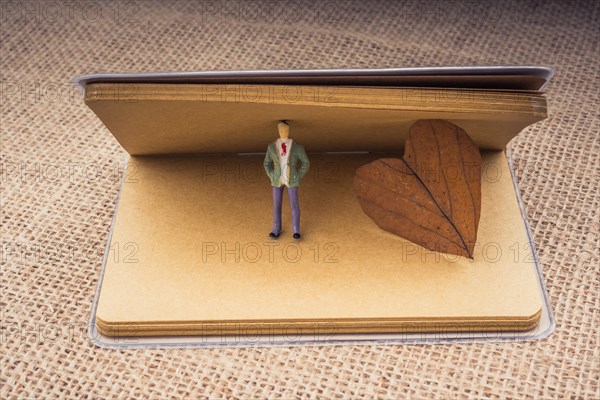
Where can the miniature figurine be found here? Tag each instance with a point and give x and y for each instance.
(285, 163)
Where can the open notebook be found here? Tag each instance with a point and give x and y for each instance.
(195, 209)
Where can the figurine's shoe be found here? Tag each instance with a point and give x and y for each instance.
(274, 235)
(296, 236)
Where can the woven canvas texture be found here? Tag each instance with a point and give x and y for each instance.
(59, 188)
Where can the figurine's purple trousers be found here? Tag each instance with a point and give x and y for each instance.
(277, 199)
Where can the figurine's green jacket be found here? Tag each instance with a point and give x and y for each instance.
(298, 165)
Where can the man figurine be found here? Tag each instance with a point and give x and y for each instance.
(286, 164)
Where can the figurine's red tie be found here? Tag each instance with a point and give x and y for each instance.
(283, 147)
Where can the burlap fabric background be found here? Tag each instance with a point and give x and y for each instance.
(58, 191)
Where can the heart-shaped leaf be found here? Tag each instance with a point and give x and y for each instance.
(432, 196)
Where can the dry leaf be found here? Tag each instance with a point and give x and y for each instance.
(432, 196)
